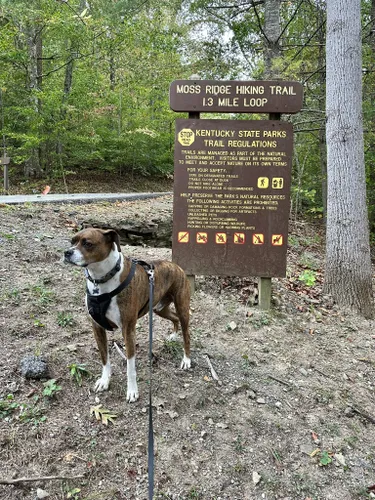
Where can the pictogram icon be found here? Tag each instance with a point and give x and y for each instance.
(263, 182)
(277, 240)
(258, 239)
(239, 238)
(183, 237)
(202, 238)
(277, 182)
(221, 238)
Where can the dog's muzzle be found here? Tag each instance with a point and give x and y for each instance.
(68, 254)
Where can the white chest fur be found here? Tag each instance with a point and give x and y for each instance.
(97, 271)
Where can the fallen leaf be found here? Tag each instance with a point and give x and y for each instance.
(315, 437)
(315, 452)
(102, 414)
(46, 190)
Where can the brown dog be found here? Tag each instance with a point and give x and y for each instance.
(118, 294)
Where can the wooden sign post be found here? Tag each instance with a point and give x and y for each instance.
(5, 160)
(232, 179)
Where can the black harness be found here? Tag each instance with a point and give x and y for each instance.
(97, 305)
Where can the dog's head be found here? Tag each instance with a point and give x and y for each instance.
(91, 245)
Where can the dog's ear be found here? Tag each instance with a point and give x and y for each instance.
(113, 237)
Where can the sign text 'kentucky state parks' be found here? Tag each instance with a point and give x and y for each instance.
(236, 96)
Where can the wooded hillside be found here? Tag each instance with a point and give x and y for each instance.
(84, 85)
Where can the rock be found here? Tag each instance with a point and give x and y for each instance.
(278, 404)
(261, 401)
(340, 459)
(41, 493)
(348, 412)
(251, 394)
(221, 425)
(34, 367)
(232, 326)
(256, 477)
(139, 231)
(306, 449)
(304, 372)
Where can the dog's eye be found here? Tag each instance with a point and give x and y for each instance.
(87, 244)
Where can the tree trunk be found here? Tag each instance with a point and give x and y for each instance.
(34, 43)
(322, 131)
(371, 145)
(272, 32)
(348, 265)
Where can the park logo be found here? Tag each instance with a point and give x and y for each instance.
(186, 137)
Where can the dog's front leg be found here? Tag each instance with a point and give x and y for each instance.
(128, 332)
(100, 334)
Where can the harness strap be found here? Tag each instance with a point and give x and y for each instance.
(107, 276)
(98, 304)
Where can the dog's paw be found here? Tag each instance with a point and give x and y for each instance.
(132, 396)
(102, 384)
(185, 363)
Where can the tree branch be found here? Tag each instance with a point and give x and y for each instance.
(290, 20)
(308, 40)
(37, 478)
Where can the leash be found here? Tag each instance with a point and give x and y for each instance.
(150, 273)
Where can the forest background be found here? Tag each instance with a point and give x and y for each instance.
(84, 85)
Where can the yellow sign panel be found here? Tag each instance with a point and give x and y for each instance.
(277, 182)
(263, 182)
(202, 238)
(186, 137)
(239, 238)
(221, 238)
(183, 237)
(258, 239)
(277, 240)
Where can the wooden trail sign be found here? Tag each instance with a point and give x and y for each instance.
(231, 196)
(229, 96)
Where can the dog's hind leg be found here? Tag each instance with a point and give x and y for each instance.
(181, 302)
(100, 334)
(171, 315)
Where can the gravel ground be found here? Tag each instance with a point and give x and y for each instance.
(292, 416)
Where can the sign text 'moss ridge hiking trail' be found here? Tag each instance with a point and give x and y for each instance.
(236, 96)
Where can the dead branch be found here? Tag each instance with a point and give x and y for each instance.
(38, 478)
(278, 380)
(119, 351)
(213, 373)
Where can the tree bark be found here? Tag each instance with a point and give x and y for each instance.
(272, 32)
(348, 276)
(34, 42)
(322, 131)
(371, 145)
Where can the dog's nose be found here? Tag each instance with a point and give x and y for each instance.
(68, 254)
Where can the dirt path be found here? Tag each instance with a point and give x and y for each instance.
(292, 417)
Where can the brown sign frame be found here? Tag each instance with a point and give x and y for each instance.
(230, 96)
(219, 168)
